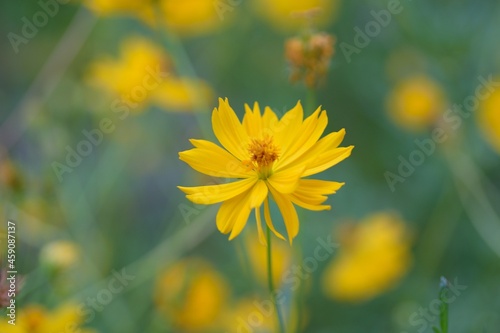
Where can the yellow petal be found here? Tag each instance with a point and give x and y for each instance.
(325, 144)
(207, 195)
(262, 238)
(286, 181)
(306, 137)
(229, 131)
(290, 217)
(311, 193)
(259, 194)
(327, 160)
(289, 123)
(269, 221)
(212, 160)
(252, 121)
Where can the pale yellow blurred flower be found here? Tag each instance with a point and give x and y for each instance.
(36, 319)
(416, 103)
(374, 256)
(250, 315)
(140, 68)
(183, 17)
(60, 255)
(192, 294)
(190, 17)
(281, 258)
(142, 76)
(288, 15)
(183, 94)
(143, 9)
(488, 118)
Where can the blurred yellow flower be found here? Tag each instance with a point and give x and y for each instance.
(140, 77)
(269, 157)
(375, 255)
(182, 94)
(192, 294)
(60, 255)
(36, 319)
(184, 17)
(250, 315)
(257, 255)
(190, 17)
(293, 14)
(416, 102)
(488, 119)
(138, 71)
(143, 9)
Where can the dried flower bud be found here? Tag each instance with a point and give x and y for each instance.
(309, 58)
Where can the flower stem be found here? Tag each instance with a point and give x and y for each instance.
(310, 101)
(281, 328)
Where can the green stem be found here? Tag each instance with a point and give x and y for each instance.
(310, 101)
(271, 284)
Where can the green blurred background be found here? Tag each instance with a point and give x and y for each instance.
(121, 207)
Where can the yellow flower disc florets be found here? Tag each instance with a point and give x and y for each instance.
(263, 153)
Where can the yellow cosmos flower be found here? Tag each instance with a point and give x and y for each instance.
(489, 119)
(269, 156)
(285, 14)
(192, 294)
(374, 255)
(416, 103)
(36, 319)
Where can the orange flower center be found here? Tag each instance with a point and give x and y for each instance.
(263, 153)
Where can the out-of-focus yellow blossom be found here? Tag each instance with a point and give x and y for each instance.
(293, 14)
(141, 77)
(143, 9)
(489, 119)
(375, 254)
(184, 17)
(36, 319)
(250, 315)
(416, 102)
(190, 17)
(60, 255)
(182, 94)
(257, 255)
(309, 57)
(192, 294)
(139, 70)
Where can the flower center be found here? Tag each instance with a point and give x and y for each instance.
(263, 153)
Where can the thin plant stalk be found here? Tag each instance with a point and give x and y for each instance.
(281, 328)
